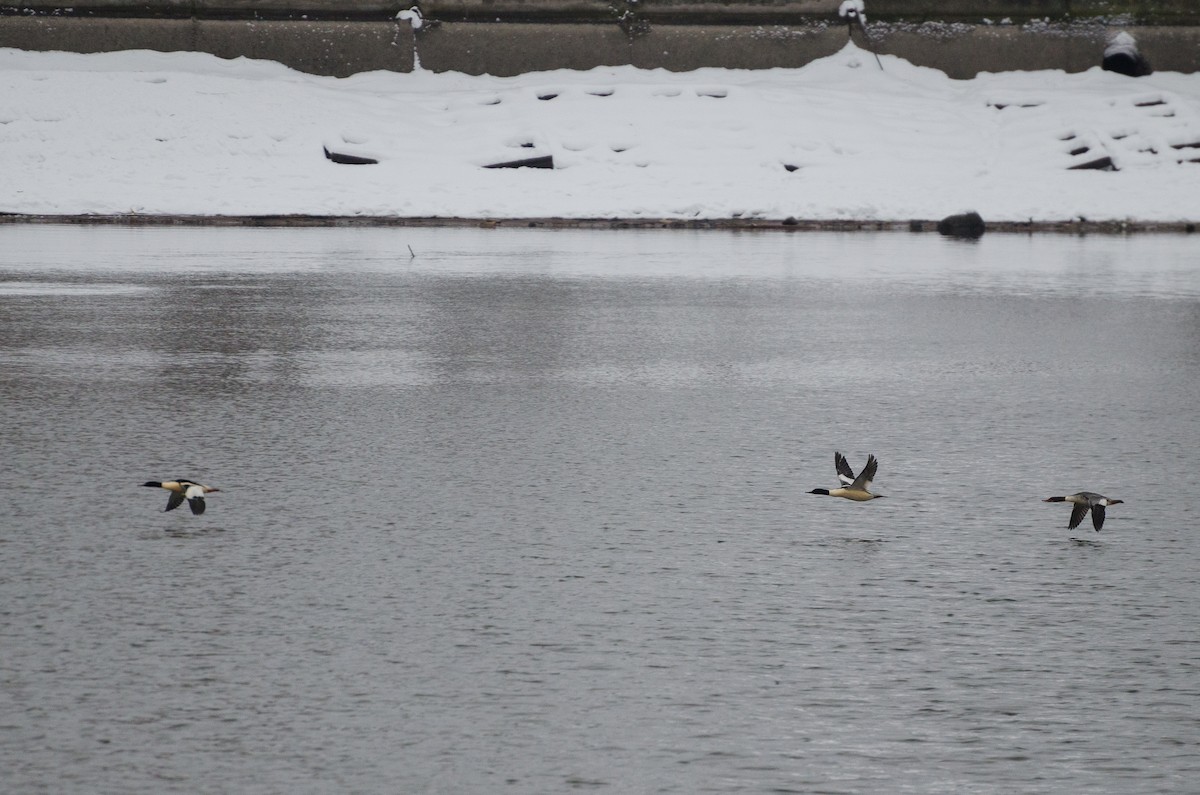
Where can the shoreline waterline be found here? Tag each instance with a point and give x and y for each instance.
(1074, 226)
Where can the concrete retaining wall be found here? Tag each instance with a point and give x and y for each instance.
(354, 44)
(961, 52)
(721, 12)
(324, 48)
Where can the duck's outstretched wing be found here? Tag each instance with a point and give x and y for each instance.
(1097, 516)
(845, 473)
(174, 501)
(1078, 511)
(863, 481)
(195, 498)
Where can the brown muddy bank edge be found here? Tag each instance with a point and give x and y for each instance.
(1077, 226)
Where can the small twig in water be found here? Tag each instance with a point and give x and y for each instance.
(413, 253)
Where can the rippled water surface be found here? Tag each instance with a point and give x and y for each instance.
(527, 511)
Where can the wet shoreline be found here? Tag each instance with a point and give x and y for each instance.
(1075, 226)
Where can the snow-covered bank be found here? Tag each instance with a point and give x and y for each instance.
(194, 135)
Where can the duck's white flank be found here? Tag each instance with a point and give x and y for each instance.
(182, 489)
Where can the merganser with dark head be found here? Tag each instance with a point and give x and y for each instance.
(181, 490)
(1086, 501)
(853, 488)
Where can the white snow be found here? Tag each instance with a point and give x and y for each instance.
(853, 8)
(1121, 43)
(414, 17)
(190, 133)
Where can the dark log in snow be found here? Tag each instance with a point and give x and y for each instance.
(349, 160)
(1123, 57)
(968, 225)
(547, 161)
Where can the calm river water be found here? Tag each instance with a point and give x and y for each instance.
(526, 511)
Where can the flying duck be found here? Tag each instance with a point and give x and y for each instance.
(183, 490)
(1083, 502)
(852, 488)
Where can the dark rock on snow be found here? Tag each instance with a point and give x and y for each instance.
(1123, 57)
(964, 225)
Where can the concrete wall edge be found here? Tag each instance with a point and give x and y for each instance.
(502, 49)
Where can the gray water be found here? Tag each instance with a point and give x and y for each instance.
(527, 511)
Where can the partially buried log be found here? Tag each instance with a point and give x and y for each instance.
(1102, 163)
(348, 160)
(546, 161)
(1123, 57)
(1187, 145)
(968, 225)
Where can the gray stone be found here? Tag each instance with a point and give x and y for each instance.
(968, 225)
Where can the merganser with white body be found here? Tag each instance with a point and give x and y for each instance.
(183, 490)
(853, 488)
(1086, 501)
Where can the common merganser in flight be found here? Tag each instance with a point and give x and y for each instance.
(853, 488)
(183, 490)
(1083, 502)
